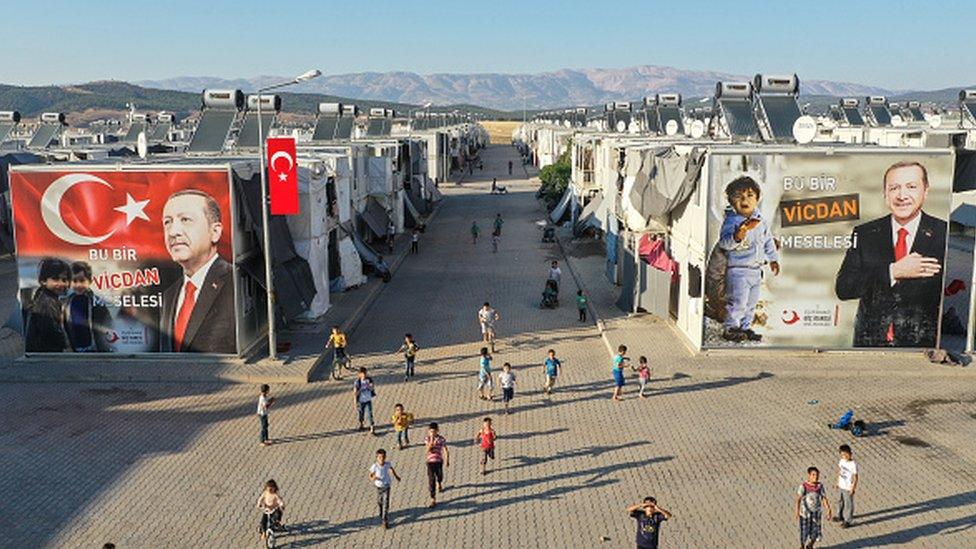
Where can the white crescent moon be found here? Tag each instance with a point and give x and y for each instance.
(282, 154)
(51, 209)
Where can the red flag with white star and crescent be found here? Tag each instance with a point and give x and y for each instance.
(282, 176)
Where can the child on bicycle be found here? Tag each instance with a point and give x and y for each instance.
(272, 507)
(337, 340)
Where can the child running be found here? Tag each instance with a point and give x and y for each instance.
(507, 381)
(486, 437)
(409, 350)
(643, 374)
(553, 366)
(401, 424)
(484, 375)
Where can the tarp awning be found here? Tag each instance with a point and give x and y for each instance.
(557, 213)
(415, 200)
(376, 217)
(432, 190)
(368, 255)
(588, 217)
(413, 211)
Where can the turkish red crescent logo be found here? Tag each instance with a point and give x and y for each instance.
(789, 320)
(282, 175)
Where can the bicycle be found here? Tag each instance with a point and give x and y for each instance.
(340, 361)
(490, 332)
(273, 529)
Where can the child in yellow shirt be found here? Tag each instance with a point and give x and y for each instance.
(401, 424)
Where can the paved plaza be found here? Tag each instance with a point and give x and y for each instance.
(178, 464)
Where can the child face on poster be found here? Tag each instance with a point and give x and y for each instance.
(744, 202)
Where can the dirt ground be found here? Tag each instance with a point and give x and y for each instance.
(500, 131)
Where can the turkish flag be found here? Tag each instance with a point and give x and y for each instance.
(69, 213)
(282, 175)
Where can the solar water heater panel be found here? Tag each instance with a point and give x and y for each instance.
(738, 116)
(159, 132)
(325, 128)
(781, 112)
(970, 107)
(249, 132)
(43, 136)
(651, 119)
(5, 129)
(375, 127)
(670, 113)
(854, 117)
(387, 127)
(345, 127)
(917, 114)
(133, 132)
(212, 130)
(881, 115)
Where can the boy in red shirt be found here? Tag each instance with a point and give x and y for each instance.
(486, 436)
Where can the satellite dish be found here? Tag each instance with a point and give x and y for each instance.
(671, 128)
(897, 121)
(935, 120)
(804, 129)
(621, 126)
(142, 145)
(697, 129)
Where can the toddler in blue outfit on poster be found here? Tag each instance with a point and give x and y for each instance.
(748, 244)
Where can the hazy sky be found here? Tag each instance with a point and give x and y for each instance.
(894, 44)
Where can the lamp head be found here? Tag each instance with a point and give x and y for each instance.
(306, 76)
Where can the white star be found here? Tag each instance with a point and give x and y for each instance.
(133, 209)
(282, 177)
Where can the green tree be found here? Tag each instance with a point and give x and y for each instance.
(555, 179)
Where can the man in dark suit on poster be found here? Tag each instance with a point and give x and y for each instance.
(895, 268)
(198, 309)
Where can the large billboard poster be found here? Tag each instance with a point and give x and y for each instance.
(125, 261)
(826, 251)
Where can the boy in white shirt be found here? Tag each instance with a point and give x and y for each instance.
(380, 473)
(847, 478)
(264, 402)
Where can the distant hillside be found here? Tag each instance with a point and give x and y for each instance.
(566, 87)
(113, 96)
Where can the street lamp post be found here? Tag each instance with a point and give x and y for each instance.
(265, 215)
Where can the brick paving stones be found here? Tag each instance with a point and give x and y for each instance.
(166, 464)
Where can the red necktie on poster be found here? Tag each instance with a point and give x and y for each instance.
(183, 317)
(282, 176)
(901, 250)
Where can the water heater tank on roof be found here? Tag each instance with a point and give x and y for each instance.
(223, 99)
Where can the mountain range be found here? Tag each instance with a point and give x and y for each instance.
(561, 88)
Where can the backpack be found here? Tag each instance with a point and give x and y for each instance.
(359, 387)
(858, 428)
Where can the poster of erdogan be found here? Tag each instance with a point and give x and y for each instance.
(125, 261)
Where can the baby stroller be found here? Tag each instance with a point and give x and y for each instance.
(550, 296)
